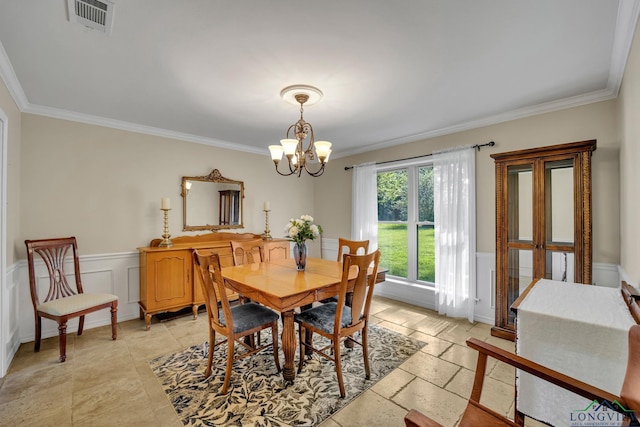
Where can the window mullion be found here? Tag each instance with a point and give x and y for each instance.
(412, 219)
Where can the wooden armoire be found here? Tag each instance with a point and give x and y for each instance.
(543, 221)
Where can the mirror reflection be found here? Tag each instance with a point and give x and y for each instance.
(212, 202)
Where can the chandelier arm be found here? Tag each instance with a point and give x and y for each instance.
(316, 173)
(283, 174)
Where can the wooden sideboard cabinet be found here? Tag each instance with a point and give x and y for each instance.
(168, 279)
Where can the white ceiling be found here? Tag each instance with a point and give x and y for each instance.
(211, 71)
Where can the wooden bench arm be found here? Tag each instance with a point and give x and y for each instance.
(554, 377)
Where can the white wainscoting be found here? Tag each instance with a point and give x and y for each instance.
(120, 274)
(9, 321)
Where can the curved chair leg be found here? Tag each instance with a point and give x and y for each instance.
(365, 352)
(227, 374)
(274, 337)
(36, 343)
(114, 321)
(80, 325)
(62, 332)
(212, 340)
(336, 354)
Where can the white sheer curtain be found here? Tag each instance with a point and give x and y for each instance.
(455, 231)
(364, 205)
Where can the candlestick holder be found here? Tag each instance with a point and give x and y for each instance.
(166, 242)
(267, 234)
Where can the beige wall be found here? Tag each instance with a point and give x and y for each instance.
(594, 121)
(10, 109)
(104, 185)
(629, 107)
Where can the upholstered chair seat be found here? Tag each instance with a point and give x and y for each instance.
(322, 317)
(248, 316)
(75, 303)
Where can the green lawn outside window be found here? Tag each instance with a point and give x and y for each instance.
(392, 241)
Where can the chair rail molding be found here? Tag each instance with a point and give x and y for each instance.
(119, 273)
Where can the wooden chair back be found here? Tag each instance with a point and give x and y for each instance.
(362, 288)
(54, 253)
(214, 290)
(247, 251)
(279, 250)
(352, 247)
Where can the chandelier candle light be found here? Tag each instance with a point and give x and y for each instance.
(299, 158)
(165, 205)
(301, 230)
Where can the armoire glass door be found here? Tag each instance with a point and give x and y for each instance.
(520, 231)
(559, 230)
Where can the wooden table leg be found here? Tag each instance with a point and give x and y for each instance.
(288, 346)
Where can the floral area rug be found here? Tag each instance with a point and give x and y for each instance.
(257, 394)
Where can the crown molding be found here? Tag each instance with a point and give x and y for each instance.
(58, 113)
(628, 13)
(8, 75)
(548, 107)
(627, 19)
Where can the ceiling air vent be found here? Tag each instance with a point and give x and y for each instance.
(95, 14)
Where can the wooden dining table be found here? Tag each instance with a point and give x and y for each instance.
(279, 285)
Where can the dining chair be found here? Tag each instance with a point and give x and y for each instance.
(338, 322)
(477, 414)
(277, 250)
(63, 301)
(235, 322)
(352, 246)
(247, 251)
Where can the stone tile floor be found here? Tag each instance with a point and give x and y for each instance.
(109, 383)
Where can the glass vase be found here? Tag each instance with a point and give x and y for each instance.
(300, 255)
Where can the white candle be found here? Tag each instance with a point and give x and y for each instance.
(266, 206)
(165, 203)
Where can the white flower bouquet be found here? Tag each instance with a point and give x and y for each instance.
(303, 229)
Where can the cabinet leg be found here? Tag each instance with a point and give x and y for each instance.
(194, 308)
(147, 321)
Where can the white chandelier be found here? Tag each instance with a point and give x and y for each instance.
(298, 158)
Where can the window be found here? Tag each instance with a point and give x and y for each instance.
(405, 222)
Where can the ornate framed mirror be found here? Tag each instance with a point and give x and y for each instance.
(212, 202)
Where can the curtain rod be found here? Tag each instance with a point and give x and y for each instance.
(478, 146)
